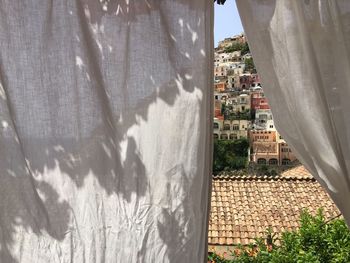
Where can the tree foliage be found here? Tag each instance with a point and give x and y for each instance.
(249, 65)
(230, 155)
(220, 2)
(244, 115)
(316, 241)
(243, 47)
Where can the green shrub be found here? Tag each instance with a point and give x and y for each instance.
(316, 241)
(243, 47)
(230, 155)
(249, 65)
(245, 115)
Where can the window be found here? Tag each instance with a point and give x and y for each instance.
(271, 126)
(227, 127)
(235, 127)
(286, 162)
(216, 125)
(224, 137)
(216, 136)
(233, 136)
(261, 161)
(273, 161)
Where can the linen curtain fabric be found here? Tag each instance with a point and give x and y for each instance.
(105, 128)
(301, 50)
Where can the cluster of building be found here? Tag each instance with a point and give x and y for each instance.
(243, 207)
(241, 109)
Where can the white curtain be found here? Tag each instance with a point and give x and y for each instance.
(105, 110)
(302, 52)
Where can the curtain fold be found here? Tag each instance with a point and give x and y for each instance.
(301, 51)
(105, 144)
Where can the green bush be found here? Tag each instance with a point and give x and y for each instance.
(316, 241)
(245, 115)
(264, 169)
(243, 47)
(249, 65)
(230, 155)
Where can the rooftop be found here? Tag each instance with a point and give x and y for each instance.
(243, 207)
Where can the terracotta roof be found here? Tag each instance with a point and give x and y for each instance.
(243, 207)
(297, 172)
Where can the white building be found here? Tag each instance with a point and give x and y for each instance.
(230, 130)
(264, 120)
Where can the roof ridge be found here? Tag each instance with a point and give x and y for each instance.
(228, 177)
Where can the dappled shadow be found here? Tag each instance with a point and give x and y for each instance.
(79, 126)
(178, 217)
(129, 9)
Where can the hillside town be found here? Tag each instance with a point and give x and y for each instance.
(241, 109)
(249, 207)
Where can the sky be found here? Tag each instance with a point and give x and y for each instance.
(227, 22)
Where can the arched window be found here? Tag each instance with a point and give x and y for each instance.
(286, 162)
(261, 161)
(224, 137)
(227, 127)
(235, 127)
(233, 136)
(273, 161)
(216, 125)
(216, 136)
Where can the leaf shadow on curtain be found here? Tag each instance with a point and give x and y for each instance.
(27, 199)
